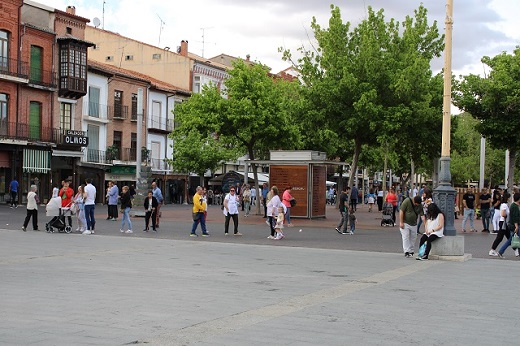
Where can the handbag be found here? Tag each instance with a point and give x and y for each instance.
(515, 241)
(422, 249)
(292, 202)
(196, 216)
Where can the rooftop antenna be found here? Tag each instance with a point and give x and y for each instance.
(203, 38)
(103, 27)
(160, 29)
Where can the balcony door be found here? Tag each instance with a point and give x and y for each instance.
(3, 114)
(36, 63)
(35, 112)
(4, 50)
(93, 101)
(93, 153)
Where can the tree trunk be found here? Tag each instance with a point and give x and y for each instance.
(355, 159)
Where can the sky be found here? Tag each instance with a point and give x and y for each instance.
(259, 28)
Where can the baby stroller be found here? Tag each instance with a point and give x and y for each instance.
(55, 210)
(388, 210)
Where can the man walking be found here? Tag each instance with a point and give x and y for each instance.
(410, 211)
(231, 203)
(199, 206)
(265, 191)
(354, 198)
(156, 191)
(468, 201)
(90, 205)
(485, 204)
(343, 211)
(13, 191)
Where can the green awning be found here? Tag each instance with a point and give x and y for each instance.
(36, 161)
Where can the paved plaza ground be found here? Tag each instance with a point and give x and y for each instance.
(315, 287)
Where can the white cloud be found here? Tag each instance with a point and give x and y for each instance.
(258, 28)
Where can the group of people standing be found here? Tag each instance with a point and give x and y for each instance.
(82, 204)
(277, 209)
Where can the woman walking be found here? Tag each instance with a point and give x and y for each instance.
(503, 230)
(288, 201)
(495, 209)
(79, 202)
(246, 198)
(272, 210)
(126, 205)
(32, 209)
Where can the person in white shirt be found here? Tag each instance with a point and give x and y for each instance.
(231, 203)
(32, 209)
(90, 205)
(272, 210)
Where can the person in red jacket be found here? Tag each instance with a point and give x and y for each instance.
(66, 194)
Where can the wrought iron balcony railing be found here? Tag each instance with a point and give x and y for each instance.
(15, 68)
(27, 132)
(43, 77)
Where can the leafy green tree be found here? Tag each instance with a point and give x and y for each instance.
(494, 100)
(257, 115)
(371, 85)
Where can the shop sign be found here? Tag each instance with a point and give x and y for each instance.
(76, 138)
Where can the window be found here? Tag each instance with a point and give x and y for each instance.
(118, 137)
(196, 84)
(65, 116)
(156, 155)
(109, 58)
(35, 112)
(93, 153)
(69, 30)
(4, 107)
(4, 50)
(156, 56)
(36, 63)
(133, 147)
(118, 104)
(134, 106)
(156, 114)
(93, 101)
(73, 67)
(129, 57)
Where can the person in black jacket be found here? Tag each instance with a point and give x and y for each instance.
(126, 205)
(150, 206)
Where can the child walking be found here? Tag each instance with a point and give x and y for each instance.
(279, 223)
(352, 220)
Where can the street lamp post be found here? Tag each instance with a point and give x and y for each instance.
(444, 194)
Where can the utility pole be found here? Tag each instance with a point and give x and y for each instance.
(444, 194)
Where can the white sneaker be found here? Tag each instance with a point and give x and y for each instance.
(517, 253)
(87, 232)
(129, 231)
(493, 253)
(270, 237)
(267, 222)
(122, 231)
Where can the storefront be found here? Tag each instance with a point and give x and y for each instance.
(36, 167)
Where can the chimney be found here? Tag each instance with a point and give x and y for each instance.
(184, 48)
(71, 10)
(248, 57)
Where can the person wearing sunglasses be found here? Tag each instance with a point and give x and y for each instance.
(231, 204)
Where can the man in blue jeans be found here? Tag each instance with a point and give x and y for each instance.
(468, 200)
(13, 191)
(90, 205)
